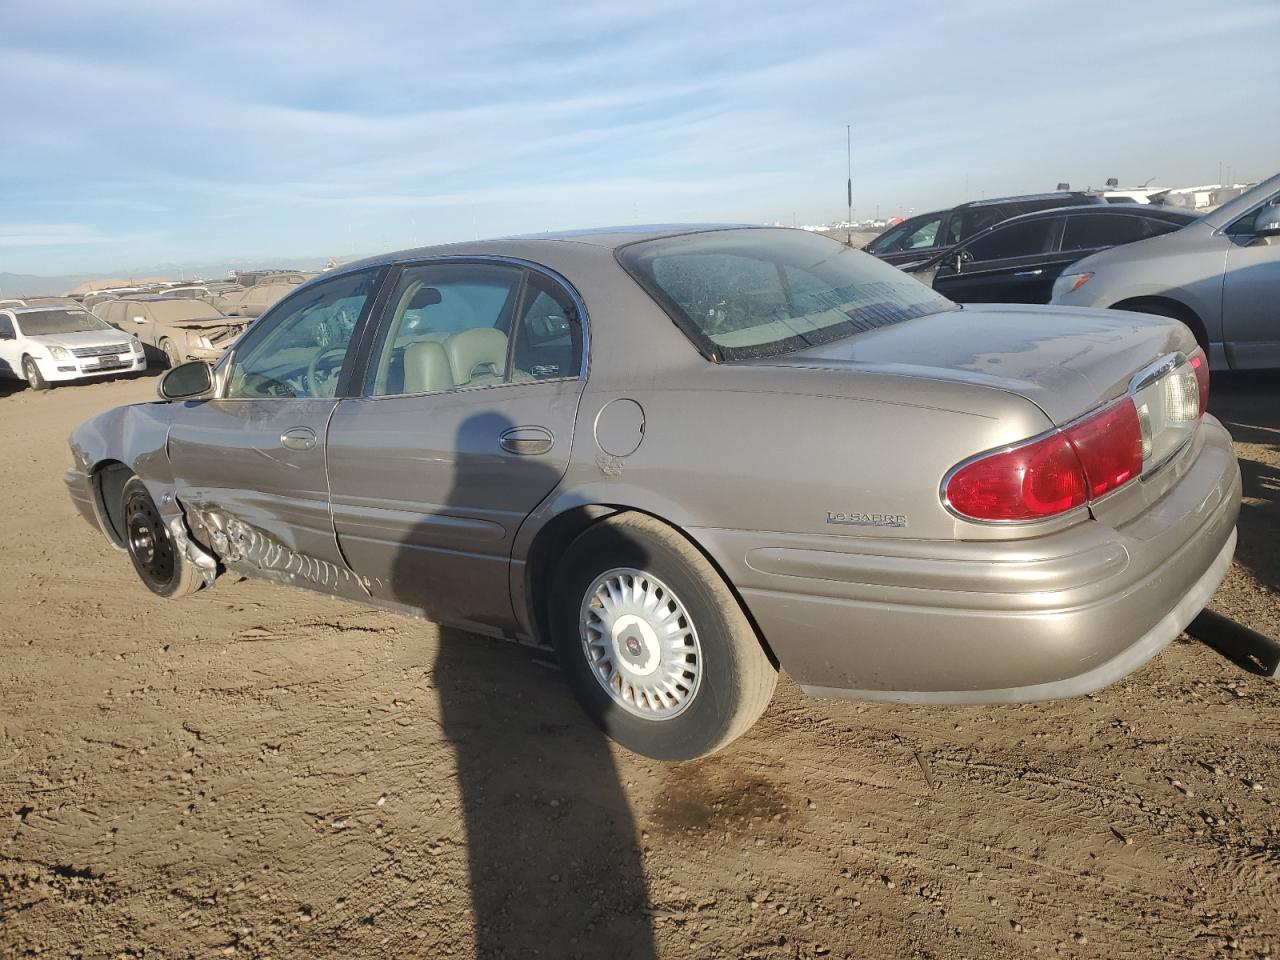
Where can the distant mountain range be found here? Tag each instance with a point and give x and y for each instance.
(32, 285)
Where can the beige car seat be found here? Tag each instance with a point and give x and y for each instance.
(426, 367)
(477, 356)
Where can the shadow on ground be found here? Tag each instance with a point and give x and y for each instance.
(1249, 407)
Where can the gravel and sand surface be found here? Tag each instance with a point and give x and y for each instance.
(256, 771)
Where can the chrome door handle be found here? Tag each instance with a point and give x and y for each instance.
(528, 441)
(298, 438)
(1029, 273)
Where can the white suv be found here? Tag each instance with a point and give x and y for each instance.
(44, 345)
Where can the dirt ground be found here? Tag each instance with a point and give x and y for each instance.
(261, 772)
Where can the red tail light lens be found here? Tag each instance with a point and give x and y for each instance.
(1057, 473)
(1200, 364)
(1030, 482)
(1109, 445)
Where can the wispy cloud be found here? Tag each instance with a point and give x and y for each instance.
(144, 130)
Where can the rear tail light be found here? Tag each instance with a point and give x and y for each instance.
(1054, 474)
(1087, 460)
(1200, 364)
(1109, 445)
(1030, 482)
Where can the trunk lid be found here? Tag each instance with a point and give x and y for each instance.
(1066, 361)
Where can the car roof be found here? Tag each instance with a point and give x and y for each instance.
(45, 307)
(609, 238)
(1149, 210)
(1022, 198)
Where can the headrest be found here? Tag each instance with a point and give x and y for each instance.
(426, 367)
(423, 297)
(478, 347)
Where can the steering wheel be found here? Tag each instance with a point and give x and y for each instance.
(315, 365)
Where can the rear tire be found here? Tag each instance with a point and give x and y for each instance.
(160, 565)
(654, 644)
(31, 373)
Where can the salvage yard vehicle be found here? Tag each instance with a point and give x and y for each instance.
(46, 345)
(177, 329)
(251, 301)
(1017, 261)
(687, 456)
(1220, 276)
(928, 234)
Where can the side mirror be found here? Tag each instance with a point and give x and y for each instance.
(187, 381)
(1268, 222)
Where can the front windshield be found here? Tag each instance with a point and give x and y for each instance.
(762, 292)
(44, 323)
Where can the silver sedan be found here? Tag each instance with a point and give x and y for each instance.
(686, 457)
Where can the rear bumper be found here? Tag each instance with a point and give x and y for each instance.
(991, 622)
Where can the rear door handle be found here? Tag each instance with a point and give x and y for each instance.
(298, 438)
(1029, 273)
(528, 441)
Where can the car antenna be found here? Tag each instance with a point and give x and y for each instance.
(848, 159)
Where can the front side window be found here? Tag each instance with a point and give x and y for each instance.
(919, 233)
(1245, 225)
(761, 292)
(447, 327)
(1016, 240)
(972, 222)
(44, 323)
(302, 347)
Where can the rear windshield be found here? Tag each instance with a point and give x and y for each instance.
(43, 323)
(740, 294)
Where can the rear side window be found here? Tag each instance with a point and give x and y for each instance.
(447, 327)
(1089, 233)
(1015, 240)
(548, 339)
(750, 293)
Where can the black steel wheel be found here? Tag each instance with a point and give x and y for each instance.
(156, 559)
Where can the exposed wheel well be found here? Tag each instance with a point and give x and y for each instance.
(109, 478)
(1165, 307)
(552, 541)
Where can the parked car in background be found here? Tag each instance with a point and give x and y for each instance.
(40, 302)
(50, 344)
(177, 330)
(921, 237)
(1018, 260)
(684, 456)
(251, 301)
(1219, 275)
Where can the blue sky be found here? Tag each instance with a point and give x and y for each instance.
(146, 132)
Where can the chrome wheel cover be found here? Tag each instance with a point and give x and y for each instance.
(640, 644)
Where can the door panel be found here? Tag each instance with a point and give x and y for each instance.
(427, 499)
(1251, 303)
(236, 457)
(250, 466)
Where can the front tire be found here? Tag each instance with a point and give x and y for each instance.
(160, 565)
(655, 646)
(171, 356)
(31, 372)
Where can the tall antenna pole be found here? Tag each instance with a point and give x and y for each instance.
(848, 157)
